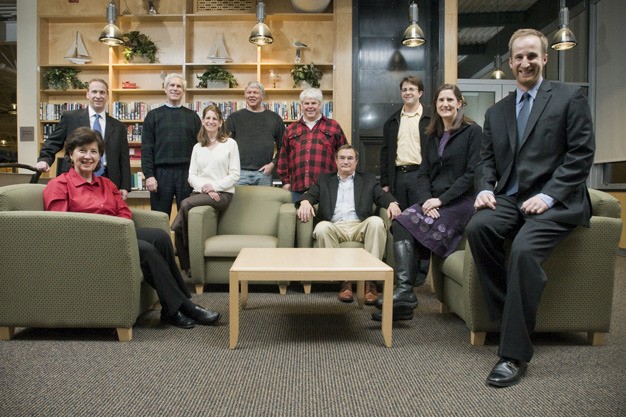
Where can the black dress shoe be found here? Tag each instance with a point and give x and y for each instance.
(507, 372)
(398, 314)
(202, 315)
(178, 319)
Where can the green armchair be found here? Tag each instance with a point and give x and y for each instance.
(578, 296)
(257, 217)
(69, 269)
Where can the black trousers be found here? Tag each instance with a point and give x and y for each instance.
(405, 188)
(158, 265)
(171, 182)
(512, 291)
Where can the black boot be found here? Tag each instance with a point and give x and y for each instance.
(405, 271)
(399, 313)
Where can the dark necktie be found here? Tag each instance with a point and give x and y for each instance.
(522, 117)
(98, 128)
(522, 121)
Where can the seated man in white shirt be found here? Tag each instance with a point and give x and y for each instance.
(345, 201)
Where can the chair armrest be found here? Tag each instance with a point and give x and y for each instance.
(287, 226)
(304, 233)
(202, 222)
(148, 218)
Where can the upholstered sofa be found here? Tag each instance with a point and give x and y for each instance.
(257, 217)
(578, 295)
(69, 269)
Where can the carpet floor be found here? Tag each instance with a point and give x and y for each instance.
(306, 355)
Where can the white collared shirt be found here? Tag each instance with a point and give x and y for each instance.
(103, 120)
(345, 209)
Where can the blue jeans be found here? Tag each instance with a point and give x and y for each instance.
(247, 177)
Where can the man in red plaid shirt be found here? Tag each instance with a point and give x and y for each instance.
(309, 145)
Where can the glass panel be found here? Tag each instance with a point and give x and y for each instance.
(477, 104)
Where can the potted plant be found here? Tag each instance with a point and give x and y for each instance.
(62, 78)
(137, 44)
(216, 77)
(308, 73)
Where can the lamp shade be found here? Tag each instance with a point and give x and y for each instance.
(413, 35)
(260, 34)
(564, 38)
(111, 34)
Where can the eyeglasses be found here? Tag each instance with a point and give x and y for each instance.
(409, 90)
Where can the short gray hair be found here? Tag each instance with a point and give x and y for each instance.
(311, 94)
(171, 75)
(257, 85)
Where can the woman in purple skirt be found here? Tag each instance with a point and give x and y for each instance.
(445, 194)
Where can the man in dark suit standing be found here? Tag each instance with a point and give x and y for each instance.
(116, 157)
(345, 201)
(538, 147)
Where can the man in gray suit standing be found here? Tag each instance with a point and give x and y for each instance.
(117, 162)
(537, 149)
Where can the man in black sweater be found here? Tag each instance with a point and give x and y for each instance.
(168, 136)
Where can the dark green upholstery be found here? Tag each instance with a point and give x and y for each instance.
(578, 295)
(256, 217)
(69, 269)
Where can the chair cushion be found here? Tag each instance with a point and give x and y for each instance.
(452, 267)
(231, 245)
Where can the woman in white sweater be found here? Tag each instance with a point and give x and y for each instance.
(213, 173)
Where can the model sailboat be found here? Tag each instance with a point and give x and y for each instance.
(219, 54)
(78, 53)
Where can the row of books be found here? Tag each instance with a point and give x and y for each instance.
(134, 132)
(137, 181)
(132, 110)
(137, 110)
(53, 111)
(134, 153)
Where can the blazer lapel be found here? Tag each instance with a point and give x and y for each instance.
(83, 118)
(358, 190)
(543, 96)
(333, 186)
(511, 121)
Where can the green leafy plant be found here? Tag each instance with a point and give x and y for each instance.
(308, 73)
(214, 73)
(62, 78)
(139, 44)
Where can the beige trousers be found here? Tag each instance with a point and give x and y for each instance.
(371, 232)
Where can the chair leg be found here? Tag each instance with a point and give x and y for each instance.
(282, 287)
(199, 288)
(596, 338)
(124, 334)
(6, 332)
(477, 338)
(444, 309)
(307, 287)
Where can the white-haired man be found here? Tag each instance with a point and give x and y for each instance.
(168, 136)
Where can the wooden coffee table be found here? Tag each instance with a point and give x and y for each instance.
(308, 264)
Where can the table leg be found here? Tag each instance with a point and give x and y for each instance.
(244, 294)
(360, 293)
(233, 295)
(387, 308)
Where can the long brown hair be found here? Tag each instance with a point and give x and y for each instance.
(436, 127)
(222, 134)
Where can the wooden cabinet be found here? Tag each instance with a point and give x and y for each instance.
(185, 40)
